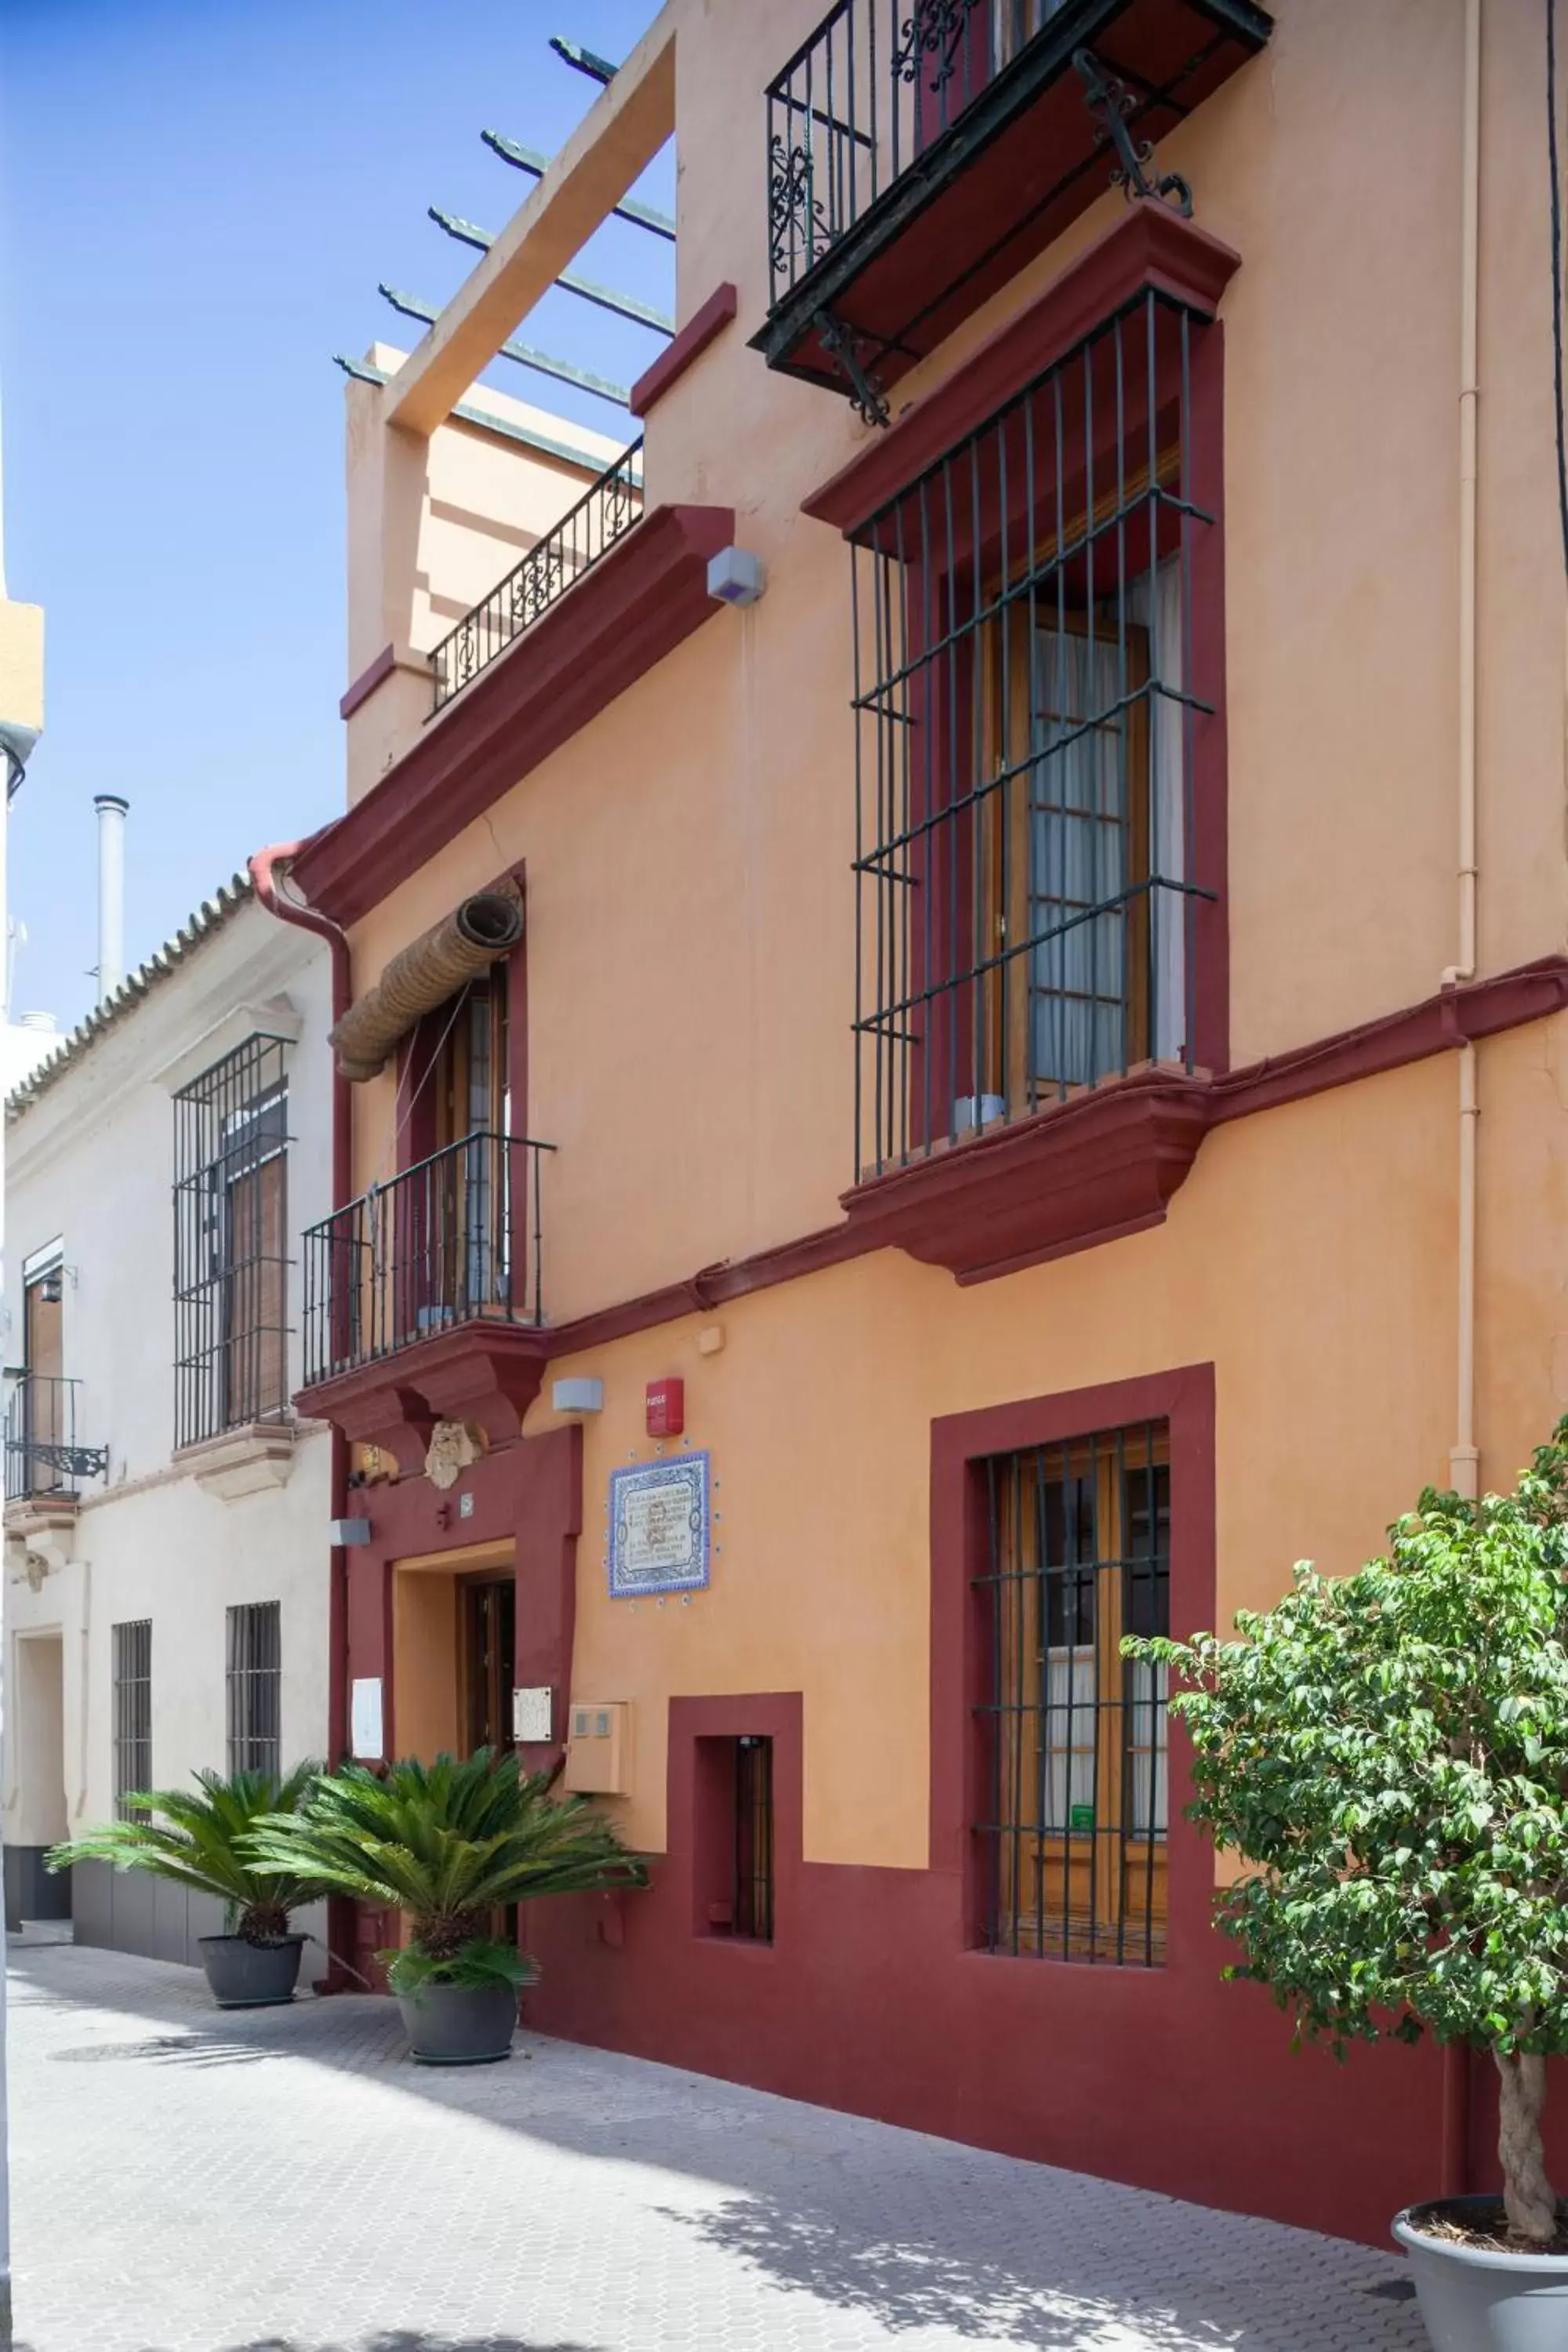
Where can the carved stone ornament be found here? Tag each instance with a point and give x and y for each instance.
(455, 1446)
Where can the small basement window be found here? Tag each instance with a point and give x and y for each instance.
(734, 1857)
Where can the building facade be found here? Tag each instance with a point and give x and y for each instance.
(953, 1032)
(167, 1508)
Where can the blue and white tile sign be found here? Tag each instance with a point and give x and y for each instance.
(659, 1528)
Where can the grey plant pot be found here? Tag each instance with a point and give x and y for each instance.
(1474, 2301)
(251, 1976)
(459, 2026)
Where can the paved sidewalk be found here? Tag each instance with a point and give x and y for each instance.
(284, 2180)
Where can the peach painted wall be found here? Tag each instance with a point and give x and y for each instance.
(690, 920)
(433, 526)
(690, 904)
(1309, 1257)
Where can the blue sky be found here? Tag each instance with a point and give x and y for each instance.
(197, 200)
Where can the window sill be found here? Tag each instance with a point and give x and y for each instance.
(243, 1461)
(1102, 1164)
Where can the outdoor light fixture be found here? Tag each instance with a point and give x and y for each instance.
(578, 1396)
(348, 1535)
(735, 576)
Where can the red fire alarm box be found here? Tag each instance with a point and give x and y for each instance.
(666, 1408)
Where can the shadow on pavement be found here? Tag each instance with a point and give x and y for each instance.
(1024, 2261)
(399, 2340)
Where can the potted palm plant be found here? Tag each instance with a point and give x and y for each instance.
(449, 1846)
(197, 1838)
(1387, 1754)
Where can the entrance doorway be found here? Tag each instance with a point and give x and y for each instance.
(454, 1626)
(488, 1647)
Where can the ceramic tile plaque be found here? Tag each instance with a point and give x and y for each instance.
(659, 1528)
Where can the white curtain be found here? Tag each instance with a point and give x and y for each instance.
(1070, 1683)
(1077, 861)
(1156, 605)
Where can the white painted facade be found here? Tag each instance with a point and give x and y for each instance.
(165, 1536)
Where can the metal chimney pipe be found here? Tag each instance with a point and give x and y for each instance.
(111, 812)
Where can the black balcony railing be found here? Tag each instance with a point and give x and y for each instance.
(45, 1458)
(861, 100)
(455, 1239)
(605, 512)
(920, 152)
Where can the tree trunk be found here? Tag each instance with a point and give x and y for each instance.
(1526, 2194)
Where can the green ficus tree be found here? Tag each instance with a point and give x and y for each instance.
(1388, 1752)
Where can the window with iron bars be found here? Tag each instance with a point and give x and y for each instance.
(1035, 656)
(753, 1915)
(131, 1671)
(1074, 1844)
(231, 1212)
(255, 1686)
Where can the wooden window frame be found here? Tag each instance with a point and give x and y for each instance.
(1183, 1398)
(1064, 1890)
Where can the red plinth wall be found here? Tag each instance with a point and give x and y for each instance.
(1170, 2079)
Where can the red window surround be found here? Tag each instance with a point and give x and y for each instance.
(701, 1836)
(1044, 985)
(960, 1741)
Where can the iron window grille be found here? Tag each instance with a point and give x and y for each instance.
(1073, 1846)
(132, 1666)
(231, 1211)
(604, 514)
(254, 1687)
(752, 1911)
(1028, 683)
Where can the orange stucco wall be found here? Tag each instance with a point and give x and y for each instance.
(691, 978)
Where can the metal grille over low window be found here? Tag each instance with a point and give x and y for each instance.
(1032, 669)
(231, 1207)
(1073, 1846)
(753, 1912)
(132, 1666)
(255, 1686)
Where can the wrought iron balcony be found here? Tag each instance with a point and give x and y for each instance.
(920, 152)
(606, 511)
(45, 1458)
(454, 1240)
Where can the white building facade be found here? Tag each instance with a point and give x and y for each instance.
(166, 1517)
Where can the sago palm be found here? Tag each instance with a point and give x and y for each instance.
(200, 1838)
(449, 1843)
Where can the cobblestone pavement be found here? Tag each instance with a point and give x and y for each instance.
(283, 2181)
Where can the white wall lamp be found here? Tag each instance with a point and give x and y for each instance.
(736, 576)
(578, 1396)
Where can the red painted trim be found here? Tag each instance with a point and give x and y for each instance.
(265, 879)
(692, 1829)
(874, 1998)
(635, 607)
(1155, 1104)
(1454, 1016)
(693, 340)
(1100, 1164)
(1186, 1400)
(367, 681)
(1150, 246)
(533, 1492)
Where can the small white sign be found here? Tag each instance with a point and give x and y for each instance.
(534, 1714)
(366, 1728)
